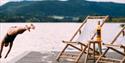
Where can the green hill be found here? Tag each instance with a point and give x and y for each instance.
(70, 11)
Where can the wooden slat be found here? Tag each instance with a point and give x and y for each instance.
(68, 55)
(70, 42)
(111, 45)
(122, 53)
(105, 62)
(96, 17)
(71, 55)
(91, 58)
(110, 59)
(75, 47)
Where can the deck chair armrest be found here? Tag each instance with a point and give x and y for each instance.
(111, 45)
(122, 46)
(70, 42)
(77, 43)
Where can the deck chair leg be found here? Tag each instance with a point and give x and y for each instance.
(102, 56)
(124, 50)
(81, 47)
(83, 50)
(86, 57)
(94, 51)
(123, 60)
(58, 57)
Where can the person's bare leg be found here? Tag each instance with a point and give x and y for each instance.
(11, 44)
(1, 49)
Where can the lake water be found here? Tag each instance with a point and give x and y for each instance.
(47, 37)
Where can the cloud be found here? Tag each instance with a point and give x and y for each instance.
(115, 1)
(3, 2)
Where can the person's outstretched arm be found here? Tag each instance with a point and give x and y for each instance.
(11, 44)
(1, 49)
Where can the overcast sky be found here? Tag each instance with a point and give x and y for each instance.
(116, 1)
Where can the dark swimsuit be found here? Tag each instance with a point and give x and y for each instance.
(9, 38)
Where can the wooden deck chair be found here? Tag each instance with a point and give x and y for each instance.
(84, 33)
(111, 46)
